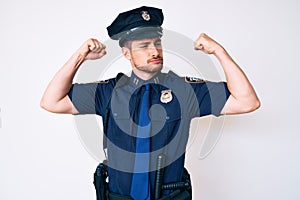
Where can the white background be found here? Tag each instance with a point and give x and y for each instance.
(258, 154)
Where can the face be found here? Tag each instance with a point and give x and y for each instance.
(145, 55)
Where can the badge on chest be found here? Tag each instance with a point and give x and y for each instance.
(166, 96)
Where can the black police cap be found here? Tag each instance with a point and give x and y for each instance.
(139, 23)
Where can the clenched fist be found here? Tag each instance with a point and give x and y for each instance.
(206, 44)
(92, 49)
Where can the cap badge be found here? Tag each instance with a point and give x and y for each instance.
(145, 15)
(166, 96)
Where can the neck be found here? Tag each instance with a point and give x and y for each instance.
(144, 75)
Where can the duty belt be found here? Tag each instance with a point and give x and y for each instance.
(181, 190)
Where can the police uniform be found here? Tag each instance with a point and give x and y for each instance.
(175, 101)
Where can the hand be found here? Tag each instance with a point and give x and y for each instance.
(206, 44)
(92, 49)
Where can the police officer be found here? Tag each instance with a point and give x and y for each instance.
(173, 100)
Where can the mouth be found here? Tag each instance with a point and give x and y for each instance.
(156, 61)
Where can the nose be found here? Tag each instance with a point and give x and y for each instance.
(154, 50)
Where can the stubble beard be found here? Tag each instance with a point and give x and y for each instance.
(150, 68)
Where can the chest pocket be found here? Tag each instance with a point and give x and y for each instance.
(165, 119)
(122, 122)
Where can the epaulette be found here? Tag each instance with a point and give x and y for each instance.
(173, 75)
(121, 79)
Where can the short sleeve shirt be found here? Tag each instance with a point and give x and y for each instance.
(175, 101)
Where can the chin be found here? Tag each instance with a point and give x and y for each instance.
(157, 68)
(153, 68)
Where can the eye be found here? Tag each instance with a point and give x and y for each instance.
(158, 44)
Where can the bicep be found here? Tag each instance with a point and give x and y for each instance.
(238, 106)
(230, 106)
(64, 106)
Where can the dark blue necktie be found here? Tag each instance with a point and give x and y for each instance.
(140, 187)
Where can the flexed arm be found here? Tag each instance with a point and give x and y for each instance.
(243, 98)
(55, 98)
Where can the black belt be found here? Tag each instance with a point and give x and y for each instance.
(114, 196)
(176, 195)
(181, 190)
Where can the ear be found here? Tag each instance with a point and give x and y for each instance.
(126, 53)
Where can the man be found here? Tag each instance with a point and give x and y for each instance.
(173, 101)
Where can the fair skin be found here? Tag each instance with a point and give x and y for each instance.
(243, 98)
(145, 56)
(146, 59)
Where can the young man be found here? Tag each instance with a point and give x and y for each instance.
(135, 140)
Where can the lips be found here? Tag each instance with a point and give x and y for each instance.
(156, 61)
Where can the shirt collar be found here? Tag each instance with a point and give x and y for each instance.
(137, 82)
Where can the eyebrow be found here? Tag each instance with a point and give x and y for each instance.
(146, 43)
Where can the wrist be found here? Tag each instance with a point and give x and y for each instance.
(219, 51)
(78, 58)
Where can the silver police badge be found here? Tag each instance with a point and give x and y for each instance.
(145, 15)
(166, 96)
